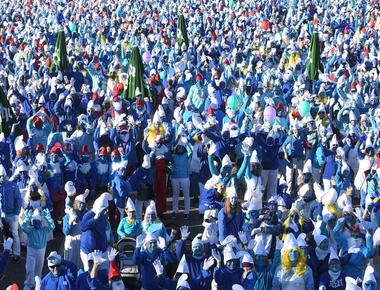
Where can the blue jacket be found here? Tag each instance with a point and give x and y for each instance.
(93, 233)
(229, 226)
(139, 177)
(37, 238)
(226, 278)
(208, 200)
(144, 260)
(65, 281)
(126, 229)
(120, 188)
(224, 146)
(84, 281)
(102, 172)
(11, 200)
(85, 179)
(195, 284)
(330, 284)
(330, 167)
(180, 164)
(195, 265)
(38, 136)
(353, 264)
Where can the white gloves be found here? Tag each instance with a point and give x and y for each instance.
(243, 237)
(98, 257)
(184, 232)
(158, 267)
(208, 263)
(139, 241)
(8, 244)
(86, 193)
(112, 254)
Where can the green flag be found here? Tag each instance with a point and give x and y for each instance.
(182, 31)
(60, 51)
(314, 63)
(136, 75)
(7, 117)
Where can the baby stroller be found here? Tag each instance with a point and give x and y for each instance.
(129, 272)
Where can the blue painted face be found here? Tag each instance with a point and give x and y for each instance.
(294, 256)
(198, 250)
(370, 285)
(151, 246)
(334, 266)
(324, 245)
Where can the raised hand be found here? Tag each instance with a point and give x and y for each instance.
(184, 232)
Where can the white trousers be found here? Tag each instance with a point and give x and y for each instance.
(13, 226)
(35, 259)
(184, 184)
(269, 183)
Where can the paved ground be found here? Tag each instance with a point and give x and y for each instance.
(15, 271)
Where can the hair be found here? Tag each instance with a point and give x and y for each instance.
(287, 265)
(75, 205)
(227, 208)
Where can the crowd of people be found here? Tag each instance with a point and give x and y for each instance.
(264, 113)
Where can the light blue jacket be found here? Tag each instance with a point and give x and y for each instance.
(37, 238)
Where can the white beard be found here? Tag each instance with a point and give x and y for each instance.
(102, 168)
(55, 168)
(72, 165)
(85, 167)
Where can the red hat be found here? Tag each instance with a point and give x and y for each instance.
(115, 152)
(210, 111)
(279, 106)
(40, 148)
(115, 91)
(95, 95)
(216, 73)
(85, 150)
(265, 25)
(213, 36)
(37, 120)
(67, 148)
(14, 286)
(56, 149)
(102, 151)
(198, 78)
(346, 31)
(114, 271)
(226, 61)
(48, 62)
(353, 86)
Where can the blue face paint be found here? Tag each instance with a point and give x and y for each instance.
(370, 285)
(293, 257)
